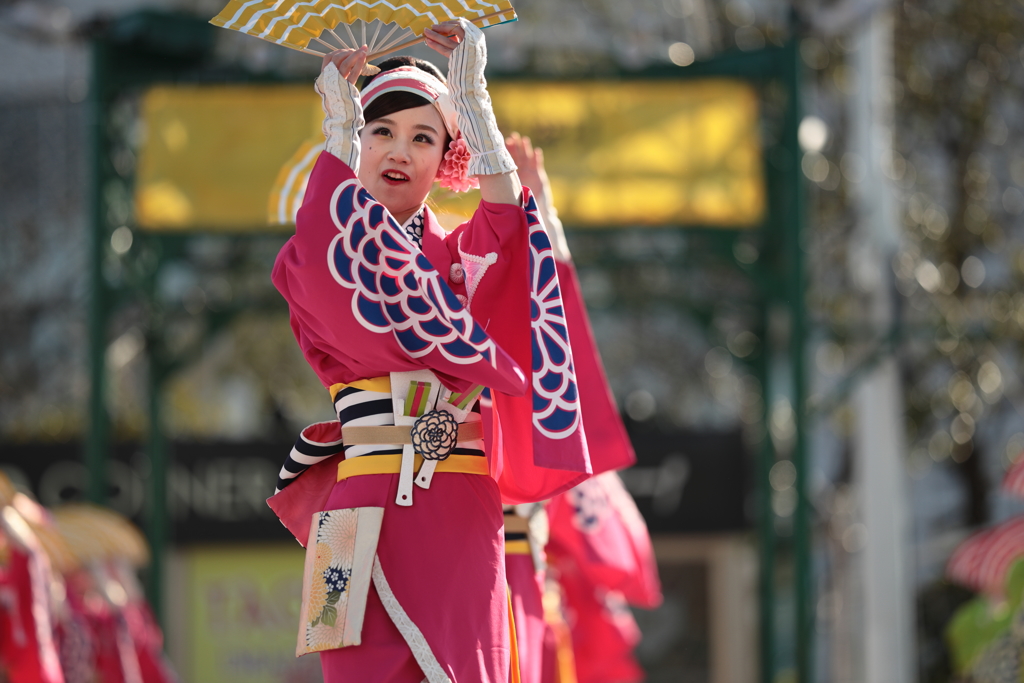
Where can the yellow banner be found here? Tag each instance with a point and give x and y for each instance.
(644, 152)
(210, 154)
(619, 153)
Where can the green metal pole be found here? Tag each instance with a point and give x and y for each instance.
(765, 517)
(97, 445)
(795, 292)
(156, 483)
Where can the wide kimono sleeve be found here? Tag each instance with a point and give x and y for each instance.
(607, 440)
(364, 301)
(536, 443)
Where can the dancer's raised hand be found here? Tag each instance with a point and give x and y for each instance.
(533, 175)
(530, 161)
(349, 62)
(443, 38)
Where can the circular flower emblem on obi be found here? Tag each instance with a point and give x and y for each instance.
(435, 434)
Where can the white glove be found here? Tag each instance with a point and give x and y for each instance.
(468, 89)
(344, 117)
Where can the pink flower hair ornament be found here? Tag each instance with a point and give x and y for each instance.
(454, 169)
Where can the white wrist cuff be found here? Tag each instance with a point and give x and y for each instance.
(468, 89)
(344, 115)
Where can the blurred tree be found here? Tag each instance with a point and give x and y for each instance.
(960, 77)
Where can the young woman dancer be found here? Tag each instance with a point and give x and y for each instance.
(396, 502)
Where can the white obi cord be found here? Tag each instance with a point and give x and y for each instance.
(410, 632)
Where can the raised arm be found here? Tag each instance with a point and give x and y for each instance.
(340, 98)
(491, 164)
(533, 175)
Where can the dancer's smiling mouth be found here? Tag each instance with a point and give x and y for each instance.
(393, 177)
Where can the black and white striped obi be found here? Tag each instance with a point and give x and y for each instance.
(355, 408)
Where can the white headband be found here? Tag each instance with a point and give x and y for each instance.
(419, 82)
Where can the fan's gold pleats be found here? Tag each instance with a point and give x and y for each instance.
(305, 24)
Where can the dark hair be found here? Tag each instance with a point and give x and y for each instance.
(406, 60)
(399, 100)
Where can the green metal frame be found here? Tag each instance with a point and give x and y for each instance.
(97, 445)
(148, 48)
(795, 292)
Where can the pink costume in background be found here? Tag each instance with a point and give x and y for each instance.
(604, 633)
(525, 527)
(27, 650)
(526, 584)
(597, 531)
(610, 449)
(604, 559)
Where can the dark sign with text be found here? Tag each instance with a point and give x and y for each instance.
(683, 481)
(215, 491)
(689, 481)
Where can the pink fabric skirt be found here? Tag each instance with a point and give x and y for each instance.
(526, 584)
(443, 559)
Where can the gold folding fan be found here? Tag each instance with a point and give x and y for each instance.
(322, 26)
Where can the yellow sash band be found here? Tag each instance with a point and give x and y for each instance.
(519, 547)
(379, 384)
(391, 463)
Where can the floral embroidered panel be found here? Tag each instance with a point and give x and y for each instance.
(339, 564)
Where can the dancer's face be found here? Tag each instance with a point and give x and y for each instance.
(401, 153)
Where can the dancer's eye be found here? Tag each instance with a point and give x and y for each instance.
(423, 137)
(382, 130)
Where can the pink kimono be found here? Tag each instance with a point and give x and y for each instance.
(597, 530)
(604, 633)
(603, 557)
(27, 650)
(526, 585)
(365, 301)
